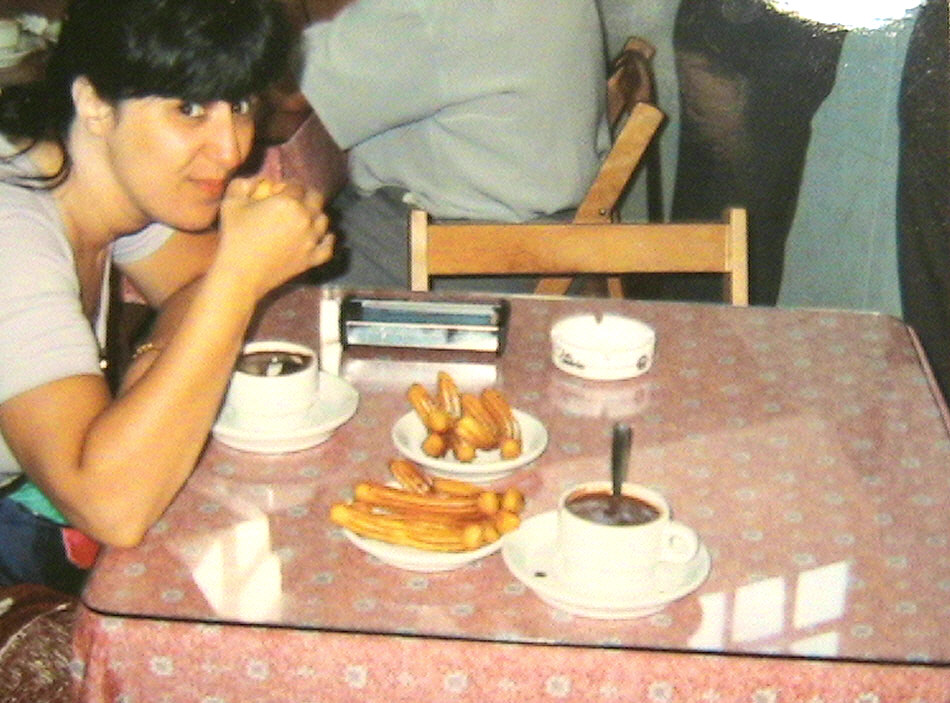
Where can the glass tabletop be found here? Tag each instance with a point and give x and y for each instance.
(807, 448)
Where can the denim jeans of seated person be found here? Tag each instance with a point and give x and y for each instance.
(373, 249)
(36, 550)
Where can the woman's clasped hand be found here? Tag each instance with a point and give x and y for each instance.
(270, 232)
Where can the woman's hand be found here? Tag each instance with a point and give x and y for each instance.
(270, 232)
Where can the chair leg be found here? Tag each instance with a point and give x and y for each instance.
(615, 286)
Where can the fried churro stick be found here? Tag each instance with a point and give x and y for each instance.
(262, 190)
(377, 494)
(266, 188)
(510, 431)
(473, 405)
(435, 445)
(409, 476)
(512, 500)
(506, 521)
(449, 396)
(463, 449)
(408, 532)
(433, 417)
(490, 533)
(471, 430)
(454, 487)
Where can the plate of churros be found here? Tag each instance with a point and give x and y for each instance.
(487, 465)
(421, 522)
(473, 436)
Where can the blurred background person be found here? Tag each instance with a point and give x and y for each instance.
(474, 110)
(751, 77)
(923, 197)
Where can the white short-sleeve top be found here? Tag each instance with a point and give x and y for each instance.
(44, 335)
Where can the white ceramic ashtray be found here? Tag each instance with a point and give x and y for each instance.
(606, 348)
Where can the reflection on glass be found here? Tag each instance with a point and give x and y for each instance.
(823, 645)
(820, 595)
(759, 610)
(711, 634)
(236, 570)
(388, 373)
(595, 399)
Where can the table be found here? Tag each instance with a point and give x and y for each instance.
(808, 448)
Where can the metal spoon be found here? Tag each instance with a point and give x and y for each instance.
(619, 457)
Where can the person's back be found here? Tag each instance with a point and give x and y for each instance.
(482, 109)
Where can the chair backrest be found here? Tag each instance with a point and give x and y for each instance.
(634, 120)
(595, 242)
(604, 196)
(611, 248)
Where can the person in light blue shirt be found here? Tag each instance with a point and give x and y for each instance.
(484, 109)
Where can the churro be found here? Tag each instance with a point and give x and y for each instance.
(429, 513)
(464, 423)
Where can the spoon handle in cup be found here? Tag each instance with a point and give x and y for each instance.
(620, 455)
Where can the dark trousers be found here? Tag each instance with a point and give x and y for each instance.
(751, 79)
(373, 247)
(923, 202)
(37, 551)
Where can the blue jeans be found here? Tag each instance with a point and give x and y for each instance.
(36, 550)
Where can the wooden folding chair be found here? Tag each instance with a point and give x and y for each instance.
(634, 120)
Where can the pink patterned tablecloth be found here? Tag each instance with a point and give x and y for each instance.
(807, 448)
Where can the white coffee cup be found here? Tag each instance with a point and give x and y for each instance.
(273, 387)
(9, 35)
(596, 556)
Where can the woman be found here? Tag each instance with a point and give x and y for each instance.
(125, 151)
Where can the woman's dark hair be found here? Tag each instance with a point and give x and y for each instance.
(194, 50)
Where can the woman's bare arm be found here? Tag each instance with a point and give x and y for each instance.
(112, 466)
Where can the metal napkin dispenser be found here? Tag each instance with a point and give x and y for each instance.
(463, 325)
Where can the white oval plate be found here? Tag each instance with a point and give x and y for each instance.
(409, 432)
(336, 402)
(412, 559)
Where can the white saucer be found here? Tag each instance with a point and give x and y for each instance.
(409, 432)
(529, 555)
(335, 404)
(412, 559)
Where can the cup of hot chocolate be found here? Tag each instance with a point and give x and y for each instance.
(608, 544)
(273, 387)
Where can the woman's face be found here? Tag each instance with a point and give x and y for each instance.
(173, 159)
